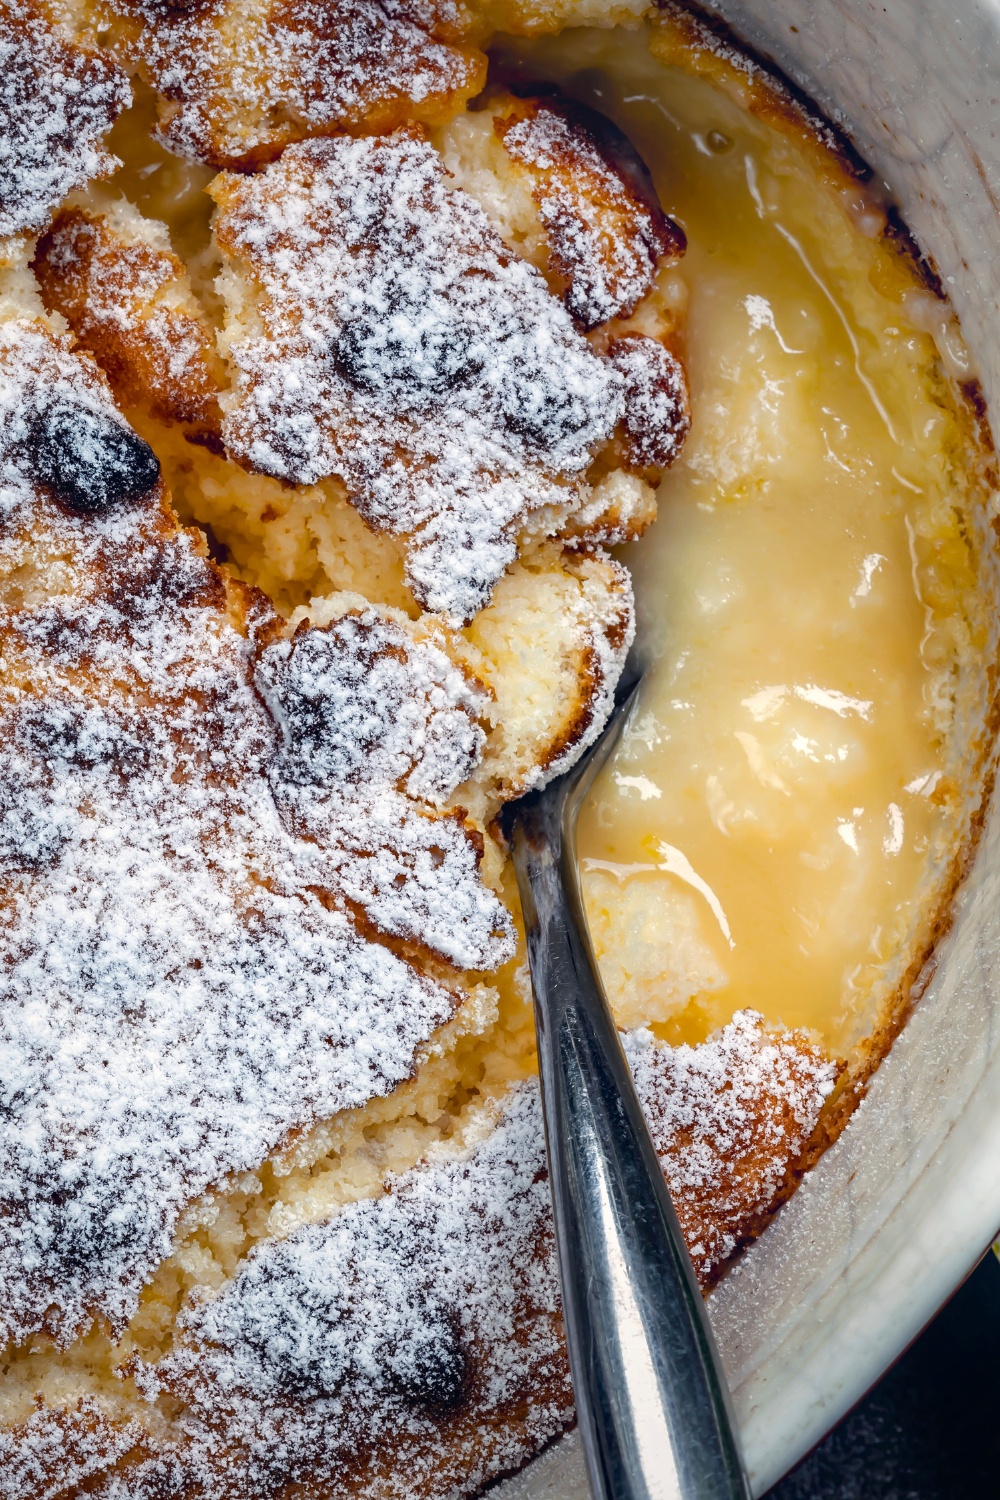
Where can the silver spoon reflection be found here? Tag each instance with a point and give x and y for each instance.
(651, 1399)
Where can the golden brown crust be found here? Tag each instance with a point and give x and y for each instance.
(413, 1346)
(553, 642)
(238, 82)
(129, 304)
(605, 231)
(476, 403)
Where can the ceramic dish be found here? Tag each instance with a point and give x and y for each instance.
(900, 1209)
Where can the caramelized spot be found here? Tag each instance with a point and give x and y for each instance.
(238, 84)
(128, 301)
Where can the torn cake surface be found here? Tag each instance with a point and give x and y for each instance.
(318, 419)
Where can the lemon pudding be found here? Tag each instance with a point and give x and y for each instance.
(343, 373)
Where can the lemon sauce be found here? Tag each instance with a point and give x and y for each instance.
(776, 827)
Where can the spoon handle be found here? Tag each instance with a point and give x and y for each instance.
(652, 1403)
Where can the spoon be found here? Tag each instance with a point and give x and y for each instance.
(652, 1401)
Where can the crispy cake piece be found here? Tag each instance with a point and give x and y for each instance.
(550, 647)
(127, 299)
(58, 1449)
(58, 99)
(730, 1120)
(567, 192)
(412, 1346)
(237, 82)
(187, 976)
(601, 226)
(553, 643)
(657, 415)
(381, 330)
(377, 730)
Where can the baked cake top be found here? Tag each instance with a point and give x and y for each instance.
(202, 831)
(413, 1344)
(394, 340)
(58, 100)
(242, 895)
(238, 83)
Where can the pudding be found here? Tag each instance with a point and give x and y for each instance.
(343, 378)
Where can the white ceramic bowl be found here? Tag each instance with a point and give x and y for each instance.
(900, 1209)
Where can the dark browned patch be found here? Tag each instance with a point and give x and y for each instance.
(899, 236)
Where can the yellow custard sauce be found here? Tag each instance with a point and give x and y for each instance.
(785, 818)
(781, 823)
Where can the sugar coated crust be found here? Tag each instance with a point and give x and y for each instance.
(240, 82)
(199, 827)
(397, 343)
(58, 100)
(304, 518)
(412, 1346)
(381, 330)
(127, 297)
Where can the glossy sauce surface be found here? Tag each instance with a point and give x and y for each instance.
(770, 832)
(773, 830)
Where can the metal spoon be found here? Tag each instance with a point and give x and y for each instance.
(652, 1402)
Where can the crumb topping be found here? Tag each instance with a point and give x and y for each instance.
(57, 102)
(240, 82)
(182, 983)
(605, 239)
(426, 1323)
(403, 347)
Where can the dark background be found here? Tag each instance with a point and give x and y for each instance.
(930, 1430)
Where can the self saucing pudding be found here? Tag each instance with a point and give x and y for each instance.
(347, 354)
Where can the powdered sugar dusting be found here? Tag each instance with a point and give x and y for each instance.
(129, 303)
(604, 242)
(406, 349)
(57, 102)
(608, 629)
(728, 1118)
(371, 720)
(657, 406)
(425, 1324)
(412, 1346)
(242, 82)
(55, 1450)
(360, 702)
(181, 985)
